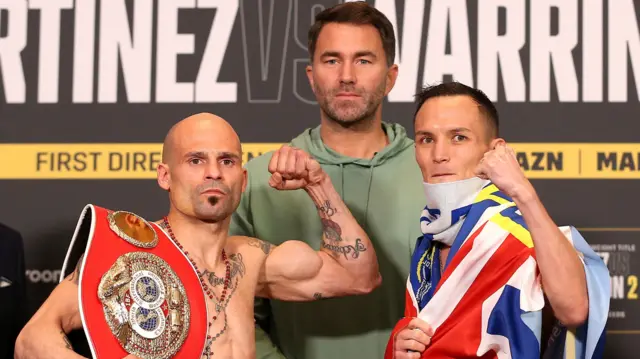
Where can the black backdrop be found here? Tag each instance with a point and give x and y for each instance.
(89, 89)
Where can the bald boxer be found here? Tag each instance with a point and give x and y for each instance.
(202, 172)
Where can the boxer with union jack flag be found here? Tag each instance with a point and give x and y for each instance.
(491, 259)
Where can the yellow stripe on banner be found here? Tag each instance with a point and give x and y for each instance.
(92, 161)
(139, 160)
(514, 228)
(570, 345)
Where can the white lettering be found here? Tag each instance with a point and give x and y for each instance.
(545, 46)
(49, 60)
(458, 63)
(264, 64)
(44, 276)
(133, 46)
(170, 44)
(83, 51)
(207, 87)
(617, 282)
(592, 59)
(407, 53)
(623, 34)
(303, 17)
(493, 47)
(34, 276)
(47, 276)
(11, 46)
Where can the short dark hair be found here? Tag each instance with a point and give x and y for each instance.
(454, 88)
(355, 13)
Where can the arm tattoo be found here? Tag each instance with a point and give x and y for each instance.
(348, 249)
(326, 209)
(75, 276)
(331, 230)
(67, 343)
(265, 246)
(318, 296)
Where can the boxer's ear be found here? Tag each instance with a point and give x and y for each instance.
(496, 142)
(164, 178)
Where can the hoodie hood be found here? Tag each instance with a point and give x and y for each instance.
(311, 142)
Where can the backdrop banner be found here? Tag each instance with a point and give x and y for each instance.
(89, 89)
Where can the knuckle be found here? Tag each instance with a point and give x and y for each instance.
(417, 346)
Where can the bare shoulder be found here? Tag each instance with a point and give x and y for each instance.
(251, 245)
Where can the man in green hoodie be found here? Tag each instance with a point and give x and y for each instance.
(372, 164)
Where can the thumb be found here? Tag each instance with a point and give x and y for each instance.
(276, 180)
(420, 324)
(480, 171)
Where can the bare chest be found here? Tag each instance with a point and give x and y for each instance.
(230, 300)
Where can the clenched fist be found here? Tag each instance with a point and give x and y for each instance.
(411, 341)
(292, 168)
(501, 167)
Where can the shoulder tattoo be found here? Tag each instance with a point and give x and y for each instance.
(265, 246)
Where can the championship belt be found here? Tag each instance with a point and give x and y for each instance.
(138, 293)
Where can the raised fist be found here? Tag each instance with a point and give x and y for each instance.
(292, 168)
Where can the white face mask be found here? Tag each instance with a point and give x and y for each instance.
(443, 199)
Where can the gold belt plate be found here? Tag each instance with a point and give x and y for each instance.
(145, 305)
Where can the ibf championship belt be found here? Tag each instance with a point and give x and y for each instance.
(138, 293)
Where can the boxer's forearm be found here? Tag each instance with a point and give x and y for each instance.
(562, 272)
(44, 340)
(343, 238)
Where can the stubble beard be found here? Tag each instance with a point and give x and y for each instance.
(213, 209)
(350, 113)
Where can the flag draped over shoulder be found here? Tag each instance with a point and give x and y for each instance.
(488, 302)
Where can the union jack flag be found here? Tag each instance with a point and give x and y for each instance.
(489, 301)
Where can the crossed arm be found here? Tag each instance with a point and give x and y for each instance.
(346, 263)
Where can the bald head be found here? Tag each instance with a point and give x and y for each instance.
(197, 132)
(202, 153)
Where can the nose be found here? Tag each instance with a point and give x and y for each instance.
(441, 152)
(213, 172)
(347, 73)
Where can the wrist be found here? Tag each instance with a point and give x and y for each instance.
(320, 191)
(524, 194)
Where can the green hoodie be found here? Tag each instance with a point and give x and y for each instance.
(386, 197)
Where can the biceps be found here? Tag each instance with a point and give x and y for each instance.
(305, 277)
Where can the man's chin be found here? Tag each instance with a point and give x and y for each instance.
(443, 179)
(348, 118)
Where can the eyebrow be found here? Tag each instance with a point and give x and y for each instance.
(453, 130)
(357, 54)
(365, 53)
(223, 154)
(229, 155)
(199, 154)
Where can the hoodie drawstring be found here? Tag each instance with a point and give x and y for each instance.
(366, 207)
(342, 181)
